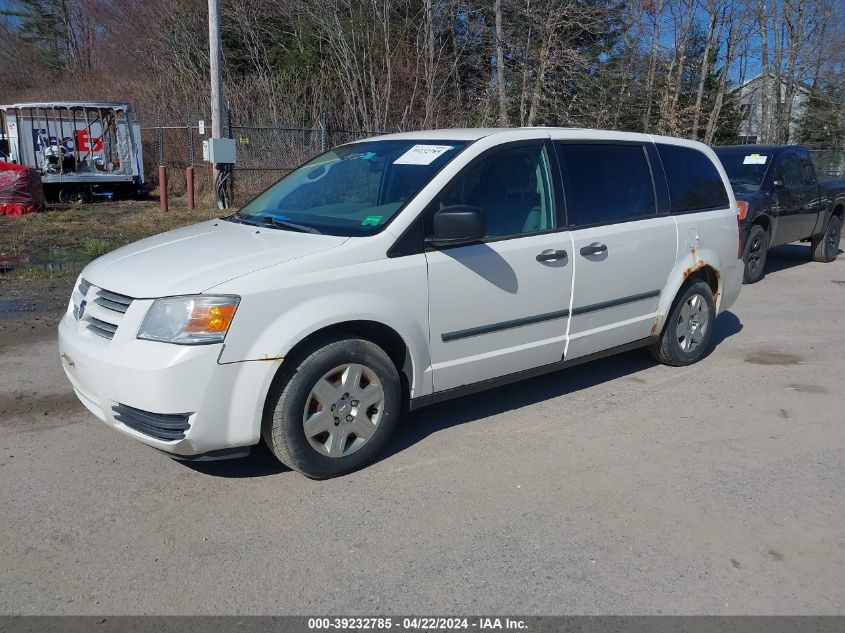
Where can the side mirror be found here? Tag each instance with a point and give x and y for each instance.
(458, 224)
(778, 183)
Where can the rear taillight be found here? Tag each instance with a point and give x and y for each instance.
(741, 212)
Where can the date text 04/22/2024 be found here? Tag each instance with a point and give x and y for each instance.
(416, 623)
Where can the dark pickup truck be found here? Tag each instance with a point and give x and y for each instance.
(781, 200)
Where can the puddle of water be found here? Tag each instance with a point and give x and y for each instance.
(56, 261)
(14, 307)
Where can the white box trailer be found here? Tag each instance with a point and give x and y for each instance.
(81, 149)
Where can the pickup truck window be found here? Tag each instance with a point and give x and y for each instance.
(807, 168)
(789, 171)
(746, 166)
(352, 190)
(606, 183)
(513, 189)
(694, 182)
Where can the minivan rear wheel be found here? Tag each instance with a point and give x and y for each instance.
(686, 335)
(333, 408)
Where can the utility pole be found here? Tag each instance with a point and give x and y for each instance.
(214, 57)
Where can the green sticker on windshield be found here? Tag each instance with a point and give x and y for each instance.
(372, 220)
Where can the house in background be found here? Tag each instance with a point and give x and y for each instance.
(750, 95)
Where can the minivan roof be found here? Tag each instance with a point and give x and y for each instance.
(755, 149)
(474, 134)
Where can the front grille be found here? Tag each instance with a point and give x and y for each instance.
(83, 287)
(100, 310)
(113, 301)
(101, 328)
(158, 425)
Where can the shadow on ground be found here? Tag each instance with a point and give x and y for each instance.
(787, 256)
(417, 425)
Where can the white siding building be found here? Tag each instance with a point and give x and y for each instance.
(750, 98)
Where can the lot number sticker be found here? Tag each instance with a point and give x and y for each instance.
(422, 154)
(755, 159)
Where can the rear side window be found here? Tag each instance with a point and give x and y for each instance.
(807, 167)
(694, 182)
(606, 183)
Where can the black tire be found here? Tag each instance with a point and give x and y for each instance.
(72, 195)
(825, 247)
(283, 427)
(754, 254)
(669, 349)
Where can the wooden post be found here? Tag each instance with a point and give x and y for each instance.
(162, 187)
(214, 59)
(189, 186)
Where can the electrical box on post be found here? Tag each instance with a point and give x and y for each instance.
(219, 150)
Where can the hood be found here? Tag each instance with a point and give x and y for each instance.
(194, 258)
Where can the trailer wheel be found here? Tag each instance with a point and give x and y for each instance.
(72, 195)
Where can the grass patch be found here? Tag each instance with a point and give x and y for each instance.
(95, 248)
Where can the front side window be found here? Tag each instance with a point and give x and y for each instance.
(511, 187)
(694, 182)
(352, 190)
(606, 183)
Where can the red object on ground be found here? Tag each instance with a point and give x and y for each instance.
(21, 190)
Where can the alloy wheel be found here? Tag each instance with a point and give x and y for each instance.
(755, 255)
(693, 322)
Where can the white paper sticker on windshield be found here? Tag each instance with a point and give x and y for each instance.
(422, 154)
(755, 159)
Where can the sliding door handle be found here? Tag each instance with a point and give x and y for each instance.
(551, 256)
(593, 249)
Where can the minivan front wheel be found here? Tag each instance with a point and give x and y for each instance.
(688, 329)
(333, 408)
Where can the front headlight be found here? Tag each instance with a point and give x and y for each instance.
(193, 320)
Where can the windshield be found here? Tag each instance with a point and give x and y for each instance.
(745, 166)
(351, 190)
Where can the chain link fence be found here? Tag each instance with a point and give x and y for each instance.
(265, 153)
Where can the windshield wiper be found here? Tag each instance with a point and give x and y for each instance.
(237, 217)
(270, 221)
(290, 226)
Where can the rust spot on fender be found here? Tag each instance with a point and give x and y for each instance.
(269, 357)
(654, 327)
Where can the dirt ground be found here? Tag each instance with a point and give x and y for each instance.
(620, 486)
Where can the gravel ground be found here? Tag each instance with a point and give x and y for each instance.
(620, 486)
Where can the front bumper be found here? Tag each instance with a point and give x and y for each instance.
(222, 403)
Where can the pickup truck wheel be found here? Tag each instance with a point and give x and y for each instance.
(825, 247)
(333, 408)
(688, 329)
(754, 255)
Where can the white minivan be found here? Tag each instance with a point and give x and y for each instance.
(400, 271)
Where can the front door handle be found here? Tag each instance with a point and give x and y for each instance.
(593, 249)
(551, 256)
